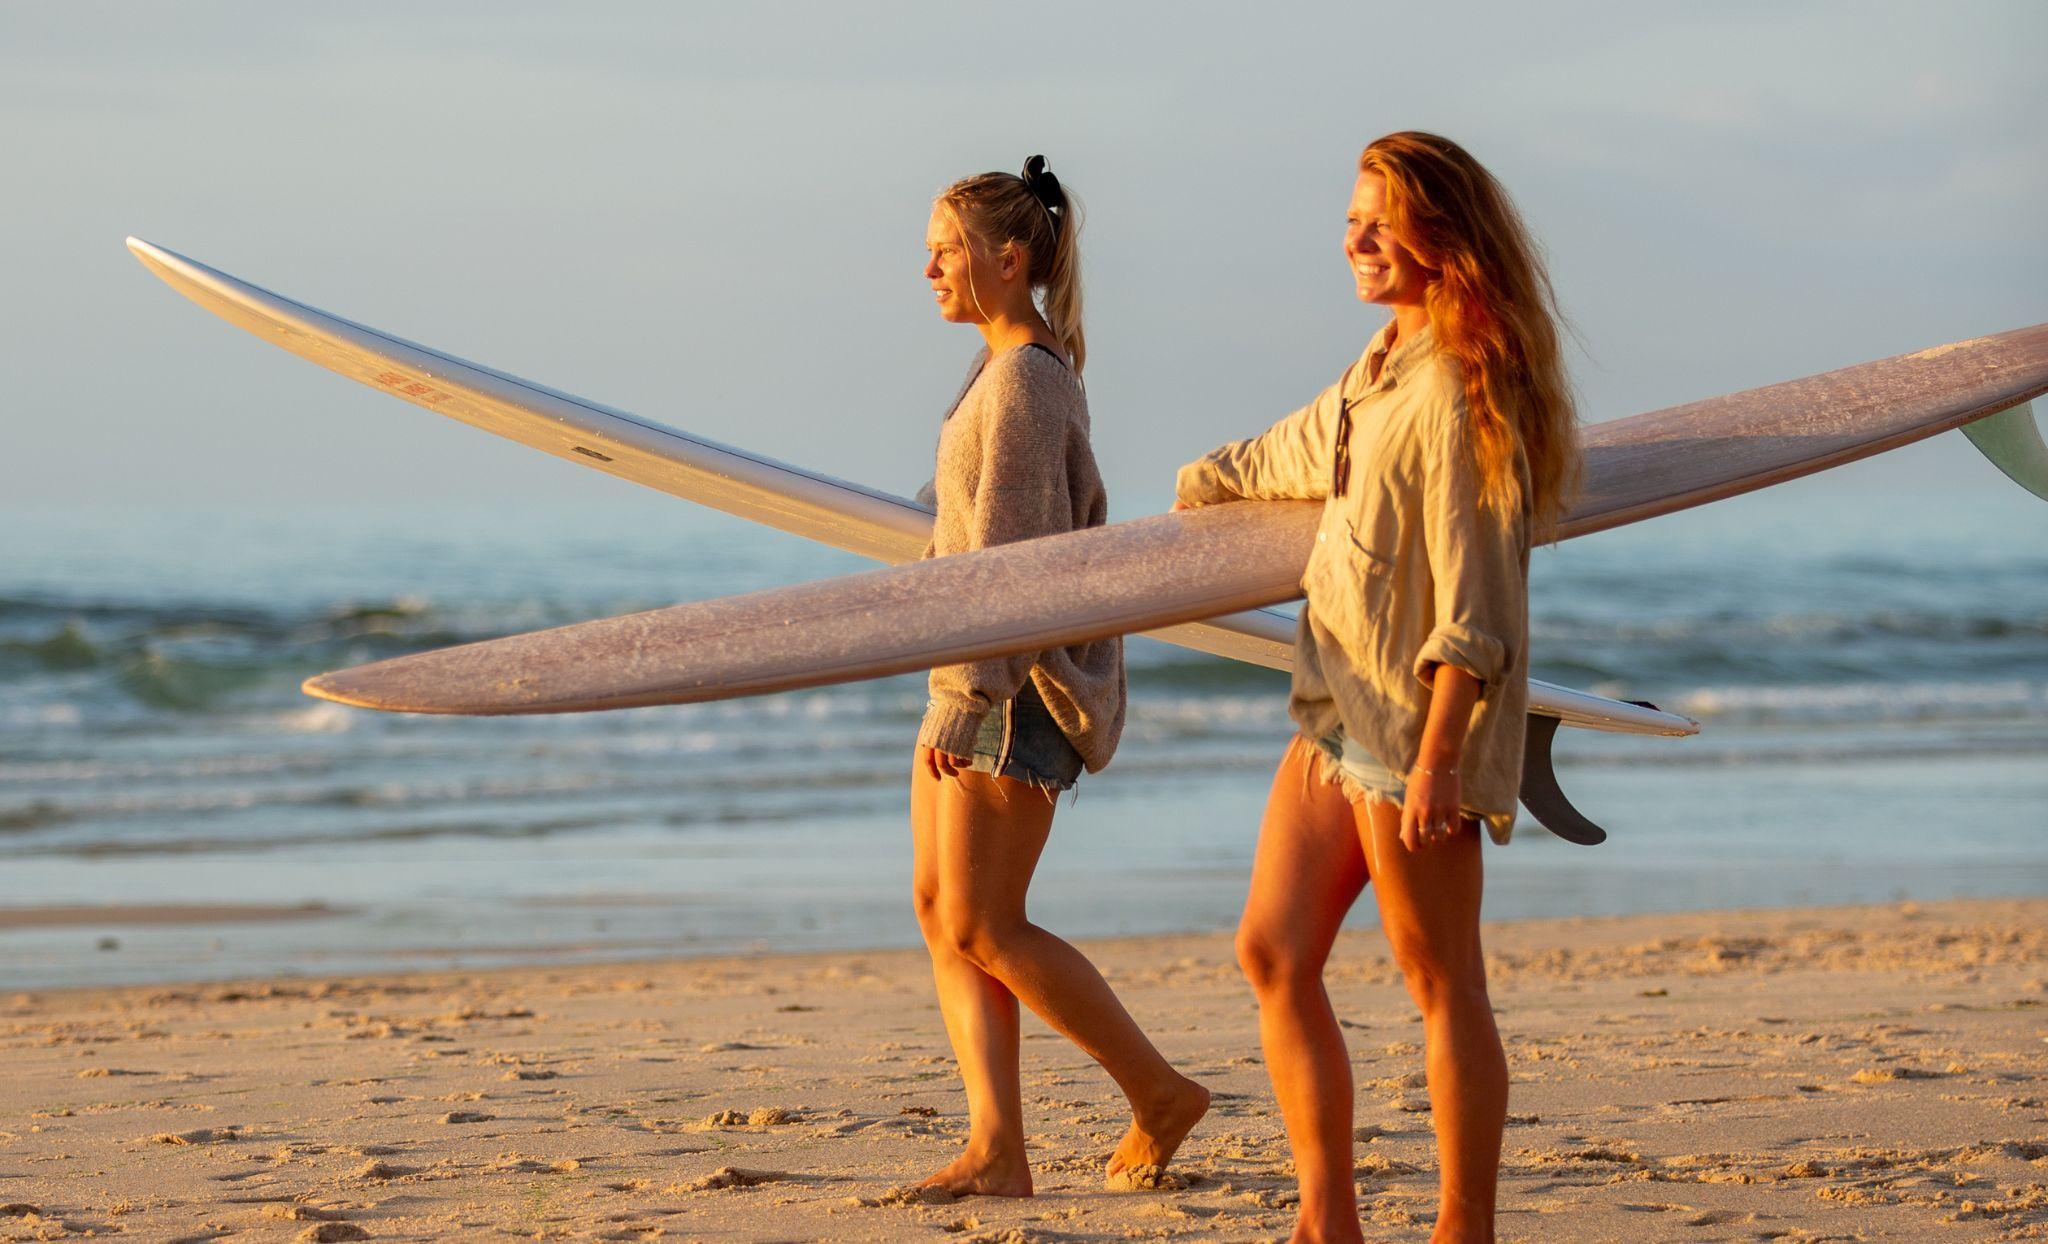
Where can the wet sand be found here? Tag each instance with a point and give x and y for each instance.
(1840, 1073)
(130, 915)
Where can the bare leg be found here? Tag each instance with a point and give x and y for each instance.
(988, 834)
(1308, 871)
(981, 1022)
(1429, 906)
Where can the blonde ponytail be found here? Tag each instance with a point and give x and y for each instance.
(1063, 287)
(1036, 212)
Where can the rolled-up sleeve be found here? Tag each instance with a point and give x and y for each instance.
(1290, 460)
(1477, 560)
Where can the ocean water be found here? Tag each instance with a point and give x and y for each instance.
(1871, 666)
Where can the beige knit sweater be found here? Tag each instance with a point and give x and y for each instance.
(1014, 462)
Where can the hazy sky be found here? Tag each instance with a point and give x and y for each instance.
(714, 215)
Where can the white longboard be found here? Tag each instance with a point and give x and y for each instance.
(819, 507)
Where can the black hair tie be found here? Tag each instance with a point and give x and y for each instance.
(1045, 187)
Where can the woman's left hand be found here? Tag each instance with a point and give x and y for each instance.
(942, 765)
(1430, 815)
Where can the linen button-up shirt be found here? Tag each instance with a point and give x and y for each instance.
(1409, 571)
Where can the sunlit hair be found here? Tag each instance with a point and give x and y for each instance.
(1493, 310)
(992, 209)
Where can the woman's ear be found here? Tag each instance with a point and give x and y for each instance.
(1012, 263)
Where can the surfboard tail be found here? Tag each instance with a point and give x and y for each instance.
(2012, 440)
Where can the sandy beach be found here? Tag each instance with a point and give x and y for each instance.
(1835, 1073)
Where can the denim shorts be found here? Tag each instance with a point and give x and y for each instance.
(1020, 740)
(1346, 762)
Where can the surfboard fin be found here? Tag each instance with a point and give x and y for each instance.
(2012, 440)
(1541, 793)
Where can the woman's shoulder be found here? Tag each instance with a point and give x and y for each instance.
(1437, 385)
(1031, 379)
(1031, 362)
(1440, 376)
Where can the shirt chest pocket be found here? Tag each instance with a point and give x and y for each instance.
(1350, 583)
(1370, 562)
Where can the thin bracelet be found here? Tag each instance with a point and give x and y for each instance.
(1434, 772)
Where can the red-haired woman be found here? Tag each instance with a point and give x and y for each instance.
(1439, 454)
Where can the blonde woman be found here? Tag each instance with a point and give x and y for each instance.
(1002, 737)
(1439, 454)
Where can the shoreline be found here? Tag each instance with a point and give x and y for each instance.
(1772, 1072)
(106, 930)
(108, 923)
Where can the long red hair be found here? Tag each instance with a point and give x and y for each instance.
(1493, 310)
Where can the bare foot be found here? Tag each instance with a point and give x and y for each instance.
(1158, 1128)
(973, 1174)
(1342, 1232)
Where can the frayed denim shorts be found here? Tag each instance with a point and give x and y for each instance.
(1020, 740)
(1346, 762)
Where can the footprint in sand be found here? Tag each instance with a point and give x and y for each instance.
(197, 1136)
(1886, 1075)
(302, 1213)
(470, 1013)
(908, 1194)
(1374, 1165)
(730, 1177)
(379, 1171)
(513, 1164)
(1147, 1178)
(1719, 1217)
(768, 1117)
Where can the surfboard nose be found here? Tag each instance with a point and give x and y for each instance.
(166, 264)
(147, 251)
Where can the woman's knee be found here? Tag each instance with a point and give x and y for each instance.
(1439, 977)
(1271, 960)
(979, 937)
(924, 901)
